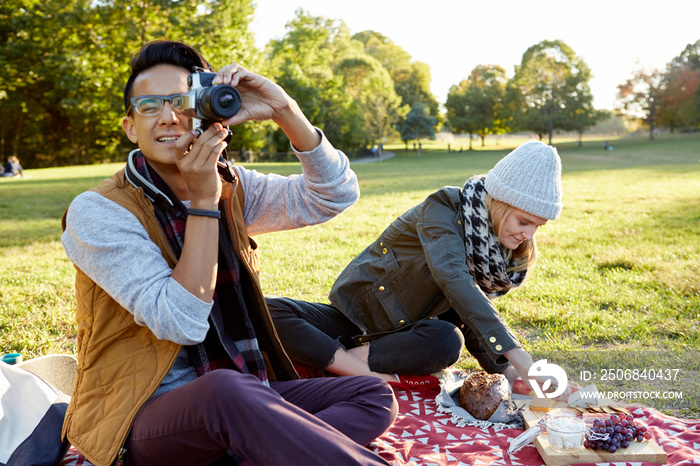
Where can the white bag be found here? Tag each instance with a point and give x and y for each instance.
(31, 419)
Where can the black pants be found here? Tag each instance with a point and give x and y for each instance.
(312, 332)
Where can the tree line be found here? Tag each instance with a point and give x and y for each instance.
(64, 64)
(550, 91)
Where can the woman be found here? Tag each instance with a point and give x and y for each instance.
(406, 305)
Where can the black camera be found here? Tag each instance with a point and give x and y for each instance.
(205, 104)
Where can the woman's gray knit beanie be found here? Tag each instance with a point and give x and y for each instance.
(529, 178)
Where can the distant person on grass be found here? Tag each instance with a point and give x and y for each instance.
(406, 306)
(12, 167)
(179, 363)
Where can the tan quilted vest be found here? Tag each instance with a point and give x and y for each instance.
(120, 363)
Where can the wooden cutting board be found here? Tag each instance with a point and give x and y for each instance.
(646, 451)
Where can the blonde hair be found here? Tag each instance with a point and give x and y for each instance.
(525, 255)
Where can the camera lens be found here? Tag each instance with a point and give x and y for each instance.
(225, 101)
(220, 102)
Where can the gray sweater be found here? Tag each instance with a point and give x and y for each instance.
(112, 247)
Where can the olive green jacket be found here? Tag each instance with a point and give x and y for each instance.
(417, 269)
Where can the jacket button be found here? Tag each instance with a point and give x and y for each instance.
(459, 222)
(381, 288)
(384, 251)
(401, 322)
(381, 243)
(492, 339)
(499, 347)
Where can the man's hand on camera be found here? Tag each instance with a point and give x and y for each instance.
(198, 155)
(262, 99)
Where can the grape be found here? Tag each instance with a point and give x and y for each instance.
(621, 430)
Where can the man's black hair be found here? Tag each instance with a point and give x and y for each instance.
(161, 52)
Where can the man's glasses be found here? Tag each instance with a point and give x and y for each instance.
(150, 105)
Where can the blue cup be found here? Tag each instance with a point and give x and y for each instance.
(12, 358)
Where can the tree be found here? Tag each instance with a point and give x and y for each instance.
(677, 98)
(580, 114)
(690, 57)
(549, 78)
(411, 78)
(368, 82)
(459, 111)
(343, 89)
(412, 83)
(311, 79)
(476, 104)
(418, 124)
(40, 57)
(391, 56)
(638, 97)
(680, 99)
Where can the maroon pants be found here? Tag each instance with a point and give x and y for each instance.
(314, 421)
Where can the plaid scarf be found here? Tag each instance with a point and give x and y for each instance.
(230, 341)
(485, 257)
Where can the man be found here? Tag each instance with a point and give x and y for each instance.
(179, 362)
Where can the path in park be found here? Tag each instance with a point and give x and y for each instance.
(385, 155)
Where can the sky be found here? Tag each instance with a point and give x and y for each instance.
(454, 36)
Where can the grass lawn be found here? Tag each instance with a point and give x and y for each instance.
(616, 285)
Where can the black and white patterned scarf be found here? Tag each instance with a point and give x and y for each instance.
(485, 257)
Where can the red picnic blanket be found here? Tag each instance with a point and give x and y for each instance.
(423, 436)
